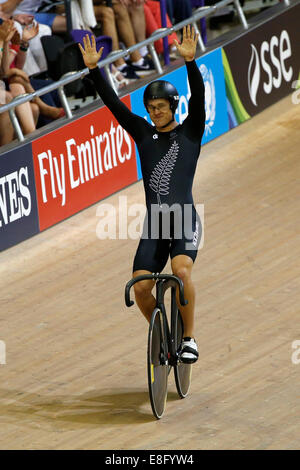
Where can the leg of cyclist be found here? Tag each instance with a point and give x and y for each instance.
(143, 294)
(182, 267)
(151, 257)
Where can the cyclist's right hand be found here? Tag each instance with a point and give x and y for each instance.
(89, 53)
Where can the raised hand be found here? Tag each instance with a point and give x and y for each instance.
(30, 31)
(187, 48)
(5, 29)
(89, 53)
(11, 33)
(16, 38)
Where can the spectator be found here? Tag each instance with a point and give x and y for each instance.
(179, 10)
(36, 62)
(153, 22)
(14, 56)
(28, 112)
(138, 21)
(24, 11)
(57, 23)
(6, 128)
(115, 21)
(19, 81)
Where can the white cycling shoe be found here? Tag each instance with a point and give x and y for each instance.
(189, 351)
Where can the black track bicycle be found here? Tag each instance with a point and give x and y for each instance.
(164, 340)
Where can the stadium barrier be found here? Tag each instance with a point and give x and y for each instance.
(70, 168)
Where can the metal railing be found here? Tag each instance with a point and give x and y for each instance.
(202, 12)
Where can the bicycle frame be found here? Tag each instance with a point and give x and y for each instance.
(164, 340)
(163, 283)
(161, 287)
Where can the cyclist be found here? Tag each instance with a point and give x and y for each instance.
(168, 152)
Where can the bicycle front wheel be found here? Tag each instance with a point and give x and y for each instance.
(182, 372)
(157, 358)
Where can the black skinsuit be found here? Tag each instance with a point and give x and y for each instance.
(168, 162)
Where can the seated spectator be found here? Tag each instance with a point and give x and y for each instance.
(6, 128)
(137, 15)
(138, 21)
(179, 10)
(116, 23)
(57, 23)
(36, 62)
(26, 113)
(18, 82)
(24, 12)
(153, 22)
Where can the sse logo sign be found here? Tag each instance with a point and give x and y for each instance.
(269, 65)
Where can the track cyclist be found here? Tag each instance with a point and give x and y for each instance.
(169, 153)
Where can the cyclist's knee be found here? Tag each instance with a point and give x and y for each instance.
(183, 272)
(182, 267)
(143, 288)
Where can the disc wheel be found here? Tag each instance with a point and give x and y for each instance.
(182, 372)
(157, 364)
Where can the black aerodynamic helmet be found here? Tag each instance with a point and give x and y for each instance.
(162, 89)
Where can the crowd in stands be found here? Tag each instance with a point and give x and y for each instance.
(23, 64)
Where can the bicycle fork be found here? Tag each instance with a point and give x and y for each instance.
(169, 353)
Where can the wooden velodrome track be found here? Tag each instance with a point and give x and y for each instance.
(75, 373)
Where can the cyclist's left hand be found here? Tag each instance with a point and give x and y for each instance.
(89, 53)
(187, 48)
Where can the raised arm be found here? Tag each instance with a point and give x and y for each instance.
(7, 31)
(128, 120)
(187, 49)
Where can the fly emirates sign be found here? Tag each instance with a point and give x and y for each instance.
(80, 164)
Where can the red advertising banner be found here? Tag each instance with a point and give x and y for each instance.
(80, 164)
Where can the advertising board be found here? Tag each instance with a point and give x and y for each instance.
(18, 204)
(262, 66)
(80, 164)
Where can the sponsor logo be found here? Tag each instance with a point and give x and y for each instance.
(80, 164)
(15, 198)
(210, 98)
(269, 65)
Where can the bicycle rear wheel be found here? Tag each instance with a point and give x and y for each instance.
(157, 359)
(182, 372)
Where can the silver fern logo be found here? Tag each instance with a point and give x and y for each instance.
(253, 75)
(161, 175)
